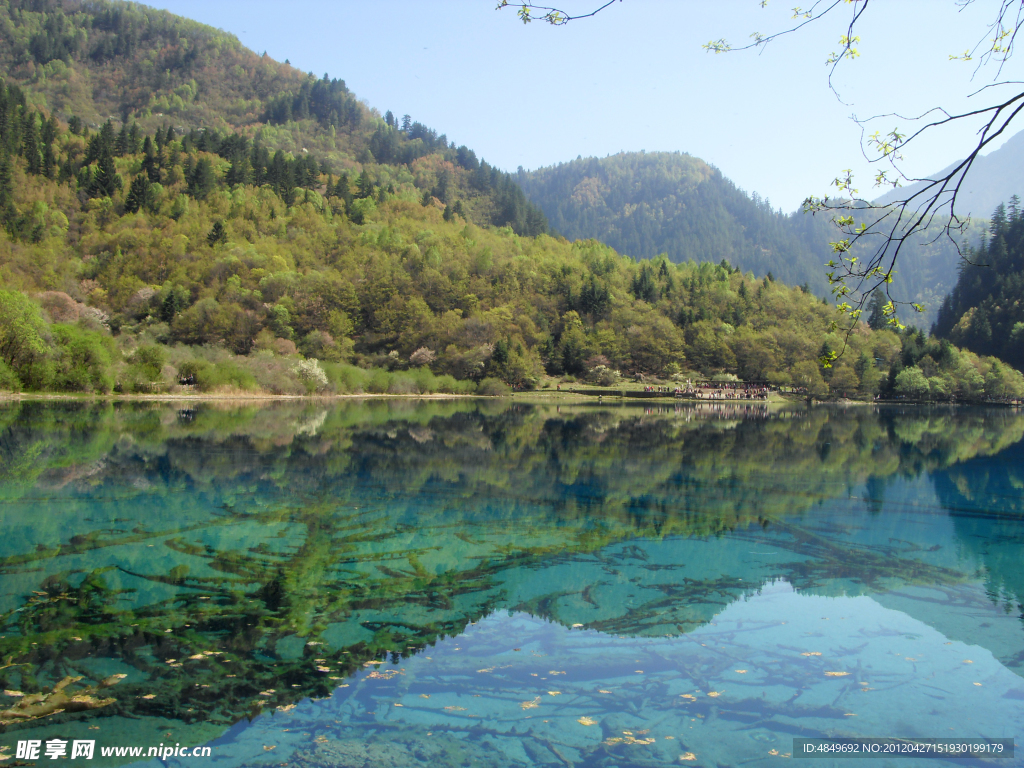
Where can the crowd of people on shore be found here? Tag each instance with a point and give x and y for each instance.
(715, 390)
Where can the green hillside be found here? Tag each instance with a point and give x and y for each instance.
(263, 230)
(984, 313)
(649, 203)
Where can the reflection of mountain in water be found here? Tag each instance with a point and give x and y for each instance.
(229, 560)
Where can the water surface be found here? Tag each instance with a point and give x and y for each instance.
(493, 583)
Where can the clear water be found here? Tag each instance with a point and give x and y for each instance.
(499, 584)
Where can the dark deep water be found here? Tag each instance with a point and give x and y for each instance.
(489, 583)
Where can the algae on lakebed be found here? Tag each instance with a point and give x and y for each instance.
(233, 562)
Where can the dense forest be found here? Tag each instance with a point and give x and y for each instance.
(140, 254)
(648, 203)
(984, 312)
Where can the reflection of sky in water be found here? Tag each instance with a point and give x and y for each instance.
(262, 566)
(518, 690)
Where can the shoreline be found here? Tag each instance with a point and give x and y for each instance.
(578, 397)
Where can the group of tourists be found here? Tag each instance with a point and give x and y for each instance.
(724, 390)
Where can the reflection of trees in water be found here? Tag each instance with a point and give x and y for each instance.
(986, 502)
(375, 512)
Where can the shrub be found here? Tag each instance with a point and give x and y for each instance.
(491, 387)
(211, 376)
(347, 378)
(8, 381)
(144, 368)
(402, 384)
(425, 380)
(23, 342)
(379, 381)
(311, 375)
(422, 356)
(81, 360)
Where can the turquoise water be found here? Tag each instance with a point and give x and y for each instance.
(496, 583)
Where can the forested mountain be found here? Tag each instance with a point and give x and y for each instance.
(993, 179)
(985, 311)
(649, 203)
(85, 63)
(262, 229)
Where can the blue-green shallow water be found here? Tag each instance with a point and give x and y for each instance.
(469, 583)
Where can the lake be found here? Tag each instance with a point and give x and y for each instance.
(505, 583)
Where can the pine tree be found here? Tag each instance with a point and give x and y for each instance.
(877, 319)
(7, 210)
(105, 181)
(30, 145)
(202, 180)
(123, 143)
(364, 187)
(218, 234)
(138, 194)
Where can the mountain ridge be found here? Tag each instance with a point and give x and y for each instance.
(628, 201)
(992, 181)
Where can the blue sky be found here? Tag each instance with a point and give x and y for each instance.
(635, 77)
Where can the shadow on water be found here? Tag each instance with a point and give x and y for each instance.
(180, 570)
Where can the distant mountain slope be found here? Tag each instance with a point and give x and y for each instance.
(87, 62)
(644, 204)
(993, 179)
(647, 203)
(984, 312)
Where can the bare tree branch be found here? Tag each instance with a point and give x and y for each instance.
(529, 11)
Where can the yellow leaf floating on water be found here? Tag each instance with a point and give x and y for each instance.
(836, 674)
(602, 690)
(587, 721)
(627, 739)
(773, 751)
(267, 749)
(688, 696)
(714, 694)
(741, 671)
(533, 704)
(688, 756)
(424, 695)
(811, 653)
(968, 661)
(149, 696)
(286, 707)
(554, 693)
(387, 674)
(14, 693)
(455, 709)
(977, 683)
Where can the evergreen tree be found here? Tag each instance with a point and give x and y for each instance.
(30, 145)
(218, 234)
(138, 194)
(105, 180)
(877, 319)
(123, 143)
(202, 180)
(7, 210)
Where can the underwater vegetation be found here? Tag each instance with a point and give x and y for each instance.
(218, 561)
